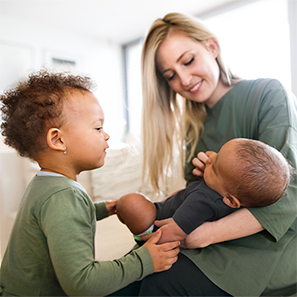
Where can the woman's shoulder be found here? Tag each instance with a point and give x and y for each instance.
(259, 84)
(261, 90)
(251, 90)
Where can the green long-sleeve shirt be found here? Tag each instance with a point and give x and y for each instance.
(264, 263)
(51, 248)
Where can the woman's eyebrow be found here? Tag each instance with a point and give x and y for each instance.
(176, 61)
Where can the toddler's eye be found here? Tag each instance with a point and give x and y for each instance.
(99, 129)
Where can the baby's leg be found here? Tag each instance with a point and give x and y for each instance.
(136, 211)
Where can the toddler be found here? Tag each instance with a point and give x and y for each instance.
(55, 120)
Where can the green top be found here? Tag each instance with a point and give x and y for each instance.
(264, 262)
(51, 248)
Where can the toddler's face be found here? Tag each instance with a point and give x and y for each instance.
(86, 141)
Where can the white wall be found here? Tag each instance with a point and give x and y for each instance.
(100, 59)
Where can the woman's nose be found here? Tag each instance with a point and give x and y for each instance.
(185, 78)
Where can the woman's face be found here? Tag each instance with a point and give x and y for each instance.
(190, 67)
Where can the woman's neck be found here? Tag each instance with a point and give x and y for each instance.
(218, 93)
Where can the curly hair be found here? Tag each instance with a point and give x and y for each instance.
(32, 105)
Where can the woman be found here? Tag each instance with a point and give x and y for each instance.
(251, 252)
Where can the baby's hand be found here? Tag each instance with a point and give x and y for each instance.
(111, 206)
(199, 164)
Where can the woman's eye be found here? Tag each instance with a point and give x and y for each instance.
(170, 77)
(189, 62)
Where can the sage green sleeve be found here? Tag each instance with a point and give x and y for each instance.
(69, 227)
(101, 211)
(278, 128)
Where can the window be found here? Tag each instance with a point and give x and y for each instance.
(255, 41)
(133, 86)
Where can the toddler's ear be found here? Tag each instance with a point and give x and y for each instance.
(231, 201)
(54, 139)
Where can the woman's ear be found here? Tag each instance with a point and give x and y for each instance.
(54, 139)
(231, 201)
(212, 46)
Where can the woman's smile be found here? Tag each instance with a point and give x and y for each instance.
(196, 88)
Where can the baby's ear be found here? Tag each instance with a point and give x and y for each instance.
(231, 201)
(54, 139)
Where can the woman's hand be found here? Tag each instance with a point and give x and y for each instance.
(163, 255)
(111, 206)
(238, 224)
(199, 163)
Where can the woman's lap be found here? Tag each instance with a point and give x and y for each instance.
(183, 279)
(130, 290)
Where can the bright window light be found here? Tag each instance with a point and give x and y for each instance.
(255, 40)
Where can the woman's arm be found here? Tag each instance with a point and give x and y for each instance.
(238, 224)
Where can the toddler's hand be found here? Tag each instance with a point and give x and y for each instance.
(147, 237)
(163, 255)
(111, 206)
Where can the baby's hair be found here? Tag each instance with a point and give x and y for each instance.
(263, 176)
(32, 105)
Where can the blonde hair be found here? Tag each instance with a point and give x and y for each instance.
(169, 120)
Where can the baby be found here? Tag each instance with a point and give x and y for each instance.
(245, 173)
(55, 120)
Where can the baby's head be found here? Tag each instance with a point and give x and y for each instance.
(47, 113)
(248, 173)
